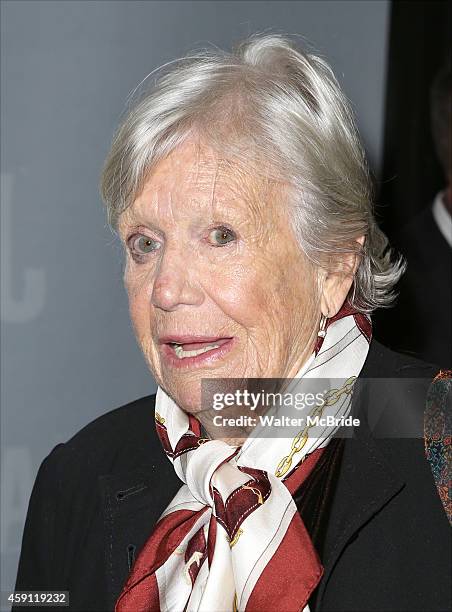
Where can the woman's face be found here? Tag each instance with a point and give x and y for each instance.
(217, 286)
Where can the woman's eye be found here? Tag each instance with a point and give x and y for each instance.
(142, 245)
(221, 236)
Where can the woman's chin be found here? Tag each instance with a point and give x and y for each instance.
(187, 396)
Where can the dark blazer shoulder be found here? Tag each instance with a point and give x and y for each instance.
(118, 440)
(383, 362)
(94, 495)
(392, 398)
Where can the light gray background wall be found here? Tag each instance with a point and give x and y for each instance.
(67, 67)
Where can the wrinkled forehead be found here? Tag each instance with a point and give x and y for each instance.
(194, 180)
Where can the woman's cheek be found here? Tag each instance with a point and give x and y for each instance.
(241, 294)
(140, 309)
(138, 283)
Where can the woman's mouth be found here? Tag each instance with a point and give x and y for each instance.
(193, 349)
(189, 351)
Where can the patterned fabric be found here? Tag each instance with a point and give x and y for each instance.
(437, 436)
(232, 537)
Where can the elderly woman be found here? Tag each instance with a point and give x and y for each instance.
(240, 191)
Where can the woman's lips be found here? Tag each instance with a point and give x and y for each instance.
(191, 351)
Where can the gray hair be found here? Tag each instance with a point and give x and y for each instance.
(267, 101)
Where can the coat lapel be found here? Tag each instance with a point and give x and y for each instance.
(133, 502)
(366, 483)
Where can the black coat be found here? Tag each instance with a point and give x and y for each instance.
(375, 515)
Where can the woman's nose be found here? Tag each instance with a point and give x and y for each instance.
(175, 283)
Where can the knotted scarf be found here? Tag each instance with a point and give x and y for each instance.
(232, 537)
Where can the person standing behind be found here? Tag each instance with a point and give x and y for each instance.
(420, 322)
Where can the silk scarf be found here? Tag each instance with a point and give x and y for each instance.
(232, 537)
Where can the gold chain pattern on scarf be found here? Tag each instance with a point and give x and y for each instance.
(301, 438)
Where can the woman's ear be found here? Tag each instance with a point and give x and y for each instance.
(336, 284)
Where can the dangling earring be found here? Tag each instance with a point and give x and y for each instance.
(322, 328)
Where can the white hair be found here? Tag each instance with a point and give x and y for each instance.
(267, 104)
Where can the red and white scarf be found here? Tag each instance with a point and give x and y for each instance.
(232, 537)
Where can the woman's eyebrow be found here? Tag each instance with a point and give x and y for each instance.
(134, 222)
